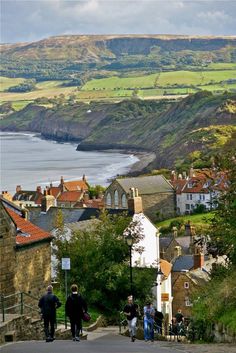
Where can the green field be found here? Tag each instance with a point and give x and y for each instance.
(200, 221)
(6, 82)
(152, 86)
(163, 79)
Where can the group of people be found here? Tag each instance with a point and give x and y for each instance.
(75, 307)
(150, 316)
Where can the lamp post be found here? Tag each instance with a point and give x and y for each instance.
(129, 241)
(158, 284)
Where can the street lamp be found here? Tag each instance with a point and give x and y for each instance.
(129, 241)
(158, 284)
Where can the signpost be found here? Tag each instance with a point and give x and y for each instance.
(65, 265)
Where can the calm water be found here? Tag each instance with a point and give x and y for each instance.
(28, 160)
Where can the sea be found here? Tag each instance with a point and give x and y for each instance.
(30, 161)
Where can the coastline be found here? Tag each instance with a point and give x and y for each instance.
(145, 158)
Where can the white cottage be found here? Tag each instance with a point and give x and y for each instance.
(149, 256)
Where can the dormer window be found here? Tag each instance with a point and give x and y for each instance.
(190, 185)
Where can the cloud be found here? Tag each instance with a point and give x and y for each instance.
(34, 20)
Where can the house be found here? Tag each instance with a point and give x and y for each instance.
(25, 251)
(74, 185)
(201, 187)
(189, 273)
(158, 197)
(69, 198)
(172, 247)
(146, 253)
(26, 198)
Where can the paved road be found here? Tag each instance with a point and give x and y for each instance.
(108, 341)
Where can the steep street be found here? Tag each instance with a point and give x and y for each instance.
(107, 340)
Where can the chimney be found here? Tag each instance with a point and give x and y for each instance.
(84, 178)
(47, 202)
(86, 197)
(18, 188)
(177, 251)
(39, 189)
(135, 202)
(191, 172)
(198, 260)
(62, 180)
(173, 175)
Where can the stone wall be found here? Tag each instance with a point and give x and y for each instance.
(159, 206)
(33, 268)
(7, 252)
(155, 206)
(180, 293)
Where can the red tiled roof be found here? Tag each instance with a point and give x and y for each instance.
(70, 196)
(165, 267)
(75, 185)
(31, 231)
(95, 203)
(54, 191)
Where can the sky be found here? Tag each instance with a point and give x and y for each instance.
(32, 20)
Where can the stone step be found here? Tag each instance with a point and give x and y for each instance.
(10, 336)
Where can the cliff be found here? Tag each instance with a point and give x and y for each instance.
(189, 131)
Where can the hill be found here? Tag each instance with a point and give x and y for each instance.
(64, 57)
(180, 133)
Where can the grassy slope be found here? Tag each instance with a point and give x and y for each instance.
(186, 131)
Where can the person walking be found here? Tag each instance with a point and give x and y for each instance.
(75, 307)
(158, 318)
(48, 304)
(131, 312)
(148, 322)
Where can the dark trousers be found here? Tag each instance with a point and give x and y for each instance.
(75, 326)
(49, 321)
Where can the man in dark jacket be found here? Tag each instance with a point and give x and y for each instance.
(48, 304)
(75, 306)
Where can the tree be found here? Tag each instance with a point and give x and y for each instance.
(223, 230)
(100, 263)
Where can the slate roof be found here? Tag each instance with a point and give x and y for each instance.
(184, 262)
(25, 195)
(146, 184)
(165, 242)
(46, 220)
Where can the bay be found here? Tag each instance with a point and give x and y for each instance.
(30, 161)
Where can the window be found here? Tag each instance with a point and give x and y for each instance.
(108, 199)
(186, 285)
(187, 302)
(116, 198)
(124, 201)
(187, 206)
(189, 196)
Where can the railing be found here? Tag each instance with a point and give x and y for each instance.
(169, 331)
(17, 304)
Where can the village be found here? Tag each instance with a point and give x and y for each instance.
(181, 261)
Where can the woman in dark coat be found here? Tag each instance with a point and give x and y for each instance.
(75, 306)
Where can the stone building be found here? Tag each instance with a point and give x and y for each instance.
(158, 196)
(25, 253)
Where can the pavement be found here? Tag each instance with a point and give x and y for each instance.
(108, 340)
